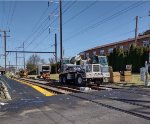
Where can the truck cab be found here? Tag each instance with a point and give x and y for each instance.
(104, 68)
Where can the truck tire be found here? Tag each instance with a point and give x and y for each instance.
(79, 81)
(64, 79)
(60, 79)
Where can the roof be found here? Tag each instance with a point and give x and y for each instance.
(2, 69)
(115, 43)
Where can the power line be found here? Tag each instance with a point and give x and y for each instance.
(3, 11)
(95, 25)
(49, 46)
(69, 6)
(115, 28)
(106, 13)
(39, 34)
(35, 31)
(43, 29)
(39, 43)
(39, 27)
(9, 11)
(122, 34)
(80, 12)
(27, 52)
(11, 17)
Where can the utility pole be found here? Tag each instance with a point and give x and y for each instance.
(136, 30)
(5, 46)
(56, 50)
(16, 61)
(61, 56)
(149, 37)
(24, 57)
(9, 66)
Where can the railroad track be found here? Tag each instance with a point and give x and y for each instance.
(53, 88)
(74, 89)
(72, 92)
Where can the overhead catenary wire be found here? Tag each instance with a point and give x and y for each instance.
(39, 43)
(37, 25)
(4, 14)
(42, 31)
(27, 40)
(12, 14)
(69, 6)
(119, 35)
(49, 46)
(39, 34)
(95, 25)
(118, 27)
(80, 12)
(9, 11)
(107, 12)
(36, 31)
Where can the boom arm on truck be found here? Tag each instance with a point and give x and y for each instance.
(83, 72)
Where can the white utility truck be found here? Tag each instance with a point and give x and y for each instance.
(83, 72)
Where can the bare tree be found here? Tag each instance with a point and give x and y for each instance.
(33, 62)
(51, 61)
(42, 61)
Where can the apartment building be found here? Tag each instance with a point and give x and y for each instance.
(143, 40)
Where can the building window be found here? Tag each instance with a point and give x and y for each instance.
(145, 43)
(87, 55)
(94, 52)
(101, 52)
(121, 47)
(127, 47)
(110, 50)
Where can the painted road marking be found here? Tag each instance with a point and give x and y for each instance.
(6, 84)
(41, 90)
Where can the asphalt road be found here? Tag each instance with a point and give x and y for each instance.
(29, 106)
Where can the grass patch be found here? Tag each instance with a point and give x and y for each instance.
(54, 76)
(135, 81)
(136, 78)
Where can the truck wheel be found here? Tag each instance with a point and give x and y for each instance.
(64, 79)
(79, 81)
(60, 79)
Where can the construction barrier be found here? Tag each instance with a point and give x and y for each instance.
(114, 77)
(126, 76)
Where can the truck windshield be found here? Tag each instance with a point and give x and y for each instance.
(66, 61)
(103, 60)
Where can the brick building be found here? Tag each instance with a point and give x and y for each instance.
(143, 40)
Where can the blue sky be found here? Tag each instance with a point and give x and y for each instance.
(86, 24)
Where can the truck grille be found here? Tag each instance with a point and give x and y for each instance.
(96, 68)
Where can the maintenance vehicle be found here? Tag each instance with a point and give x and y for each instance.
(44, 71)
(84, 72)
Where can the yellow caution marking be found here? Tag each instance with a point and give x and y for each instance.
(41, 90)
